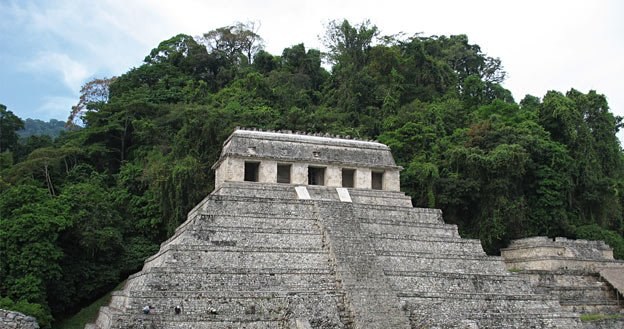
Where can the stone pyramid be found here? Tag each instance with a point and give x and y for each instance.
(309, 231)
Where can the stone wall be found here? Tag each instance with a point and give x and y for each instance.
(302, 152)
(16, 320)
(581, 274)
(543, 253)
(256, 255)
(604, 324)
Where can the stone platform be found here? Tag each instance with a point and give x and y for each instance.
(582, 274)
(255, 255)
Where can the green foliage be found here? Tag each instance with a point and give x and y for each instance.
(36, 127)
(38, 311)
(595, 232)
(10, 124)
(589, 317)
(29, 262)
(82, 211)
(87, 314)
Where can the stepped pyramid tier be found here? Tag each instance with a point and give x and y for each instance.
(582, 274)
(312, 231)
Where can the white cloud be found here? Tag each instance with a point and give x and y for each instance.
(543, 44)
(55, 108)
(72, 72)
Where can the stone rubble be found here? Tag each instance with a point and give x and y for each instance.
(16, 320)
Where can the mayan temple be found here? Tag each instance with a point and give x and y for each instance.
(312, 231)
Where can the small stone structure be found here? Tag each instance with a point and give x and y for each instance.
(16, 320)
(312, 232)
(582, 274)
(543, 253)
(273, 157)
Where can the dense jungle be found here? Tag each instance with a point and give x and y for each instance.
(81, 211)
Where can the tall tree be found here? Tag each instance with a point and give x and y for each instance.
(349, 44)
(234, 41)
(92, 93)
(9, 125)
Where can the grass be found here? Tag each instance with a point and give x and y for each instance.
(87, 314)
(597, 317)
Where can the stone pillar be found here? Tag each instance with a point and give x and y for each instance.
(299, 174)
(267, 172)
(333, 176)
(391, 180)
(363, 178)
(230, 170)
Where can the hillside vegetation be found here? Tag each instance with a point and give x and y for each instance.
(36, 127)
(81, 212)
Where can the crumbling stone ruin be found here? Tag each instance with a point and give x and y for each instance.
(582, 274)
(16, 320)
(312, 231)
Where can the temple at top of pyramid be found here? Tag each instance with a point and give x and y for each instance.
(312, 232)
(300, 159)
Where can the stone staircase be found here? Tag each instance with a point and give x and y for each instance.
(371, 301)
(444, 281)
(255, 256)
(581, 274)
(577, 291)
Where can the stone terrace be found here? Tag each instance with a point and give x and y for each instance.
(312, 232)
(261, 262)
(582, 274)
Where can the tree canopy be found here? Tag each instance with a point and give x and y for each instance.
(83, 210)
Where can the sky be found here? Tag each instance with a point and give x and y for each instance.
(51, 48)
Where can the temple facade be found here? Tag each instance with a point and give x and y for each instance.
(301, 159)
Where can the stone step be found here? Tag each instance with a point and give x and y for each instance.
(104, 317)
(398, 214)
(483, 297)
(589, 302)
(571, 278)
(287, 192)
(258, 222)
(508, 321)
(590, 293)
(165, 270)
(198, 277)
(233, 305)
(481, 303)
(248, 238)
(443, 263)
(219, 281)
(226, 205)
(243, 258)
(380, 198)
(408, 229)
(517, 320)
(207, 321)
(185, 250)
(578, 291)
(438, 246)
(584, 308)
(201, 228)
(257, 190)
(415, 282)
(210, 207)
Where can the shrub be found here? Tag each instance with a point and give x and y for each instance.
(595, 232)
